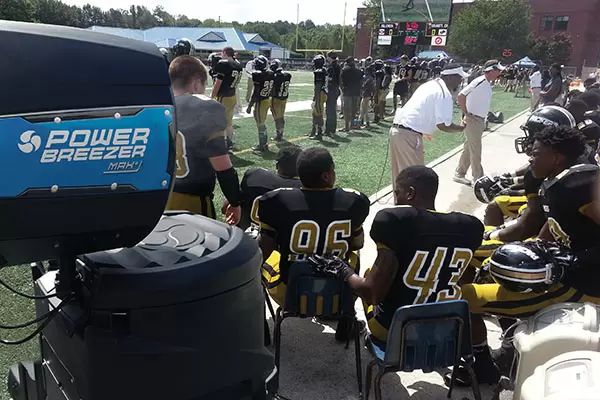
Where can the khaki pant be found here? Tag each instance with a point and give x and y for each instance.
(406, 149)
(471, 155)
(351, 105)
(365, 104)
(535, 98)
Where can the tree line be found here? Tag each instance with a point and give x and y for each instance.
(283, 33)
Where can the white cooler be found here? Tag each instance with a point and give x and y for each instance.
(569, 376)
(554, 331)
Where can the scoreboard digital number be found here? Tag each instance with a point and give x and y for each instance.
(411, 37)
(436, 29)
(388, 29)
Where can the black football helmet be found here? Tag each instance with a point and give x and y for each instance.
(533, 266)
(184, 47)
(387, 69)
(275, 65)
(432, 64)
(414, 61)
(424, 64)
(214, 58)
(319, 61)
(379, 64)
(368, 61)
(540, 119)
(261, 63)
(488, 187)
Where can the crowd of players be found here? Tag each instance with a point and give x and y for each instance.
(548, 212)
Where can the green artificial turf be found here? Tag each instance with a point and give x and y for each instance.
(360, 157)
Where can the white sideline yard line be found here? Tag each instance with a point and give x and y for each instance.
(388, 190)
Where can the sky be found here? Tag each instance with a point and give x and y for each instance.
(319, 11)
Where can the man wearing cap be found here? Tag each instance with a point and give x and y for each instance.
(474, 102)
(429, 108)
(553, 88)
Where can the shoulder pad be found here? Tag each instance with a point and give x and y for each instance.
(575, 169)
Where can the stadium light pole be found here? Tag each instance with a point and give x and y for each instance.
(429, 11)
(297, 24)
(344, 26)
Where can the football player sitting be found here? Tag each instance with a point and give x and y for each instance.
(263, 79)
(316, 219)
(421, 253)
(525, 288)
(258, 181)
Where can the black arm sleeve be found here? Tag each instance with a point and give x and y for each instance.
(230, 185)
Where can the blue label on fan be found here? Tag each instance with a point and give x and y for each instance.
(106, 148)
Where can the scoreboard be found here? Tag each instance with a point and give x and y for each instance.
(413, 33)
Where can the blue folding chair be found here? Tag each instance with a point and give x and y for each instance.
(310, 294)
(426, 337)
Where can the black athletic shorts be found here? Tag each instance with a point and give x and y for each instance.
(401, 88)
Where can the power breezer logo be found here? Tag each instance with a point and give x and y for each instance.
(124, 148)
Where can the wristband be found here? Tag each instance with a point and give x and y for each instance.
(347, 272)
(230, 185)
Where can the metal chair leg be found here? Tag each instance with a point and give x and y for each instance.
(452, 380)
(369, 379)
(474, 383)
(358, 361)
(378, 377)
(277, 344)
(269, 304)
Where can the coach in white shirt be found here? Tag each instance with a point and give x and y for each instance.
(535, 83)
(474, 102)
(429, 108)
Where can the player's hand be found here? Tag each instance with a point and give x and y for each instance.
(233, 215)
(249, 110)
(224, 206)
(332, 266)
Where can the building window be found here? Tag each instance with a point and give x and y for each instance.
(546, 23)
(561, 23)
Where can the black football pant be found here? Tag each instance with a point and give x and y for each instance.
(331, 111)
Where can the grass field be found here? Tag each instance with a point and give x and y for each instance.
(361, 159)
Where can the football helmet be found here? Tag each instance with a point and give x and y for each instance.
(433, 63)
(213, 59)
(368, 61)
(540, 119)
(275, 65)
(533, 266)
(184, 47)
(379, 64)
(488, 187)
(261, 63)
(387, 69)
(319, 61)
(414, 61)
(424, 64)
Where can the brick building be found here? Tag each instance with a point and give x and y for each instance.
(577, 18)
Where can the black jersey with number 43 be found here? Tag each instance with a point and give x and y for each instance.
(306, 222)
(281, 85)
(230, 73)
(263, 84)
(433, 249)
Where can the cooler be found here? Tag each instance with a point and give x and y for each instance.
(553, 331)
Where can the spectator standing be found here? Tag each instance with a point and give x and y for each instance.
(553, 88)
(332, 88)
(535, 83)
(350, 80)
(429, 108)
(475, 101)
(367, 92)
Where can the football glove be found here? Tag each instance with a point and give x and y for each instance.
(332, 266)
